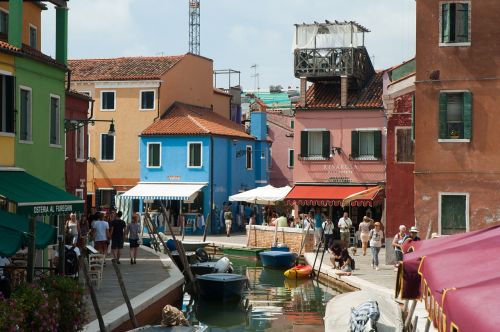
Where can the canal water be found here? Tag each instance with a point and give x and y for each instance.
(271, 303)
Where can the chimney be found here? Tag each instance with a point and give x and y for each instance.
(303, 89)
(344, 90)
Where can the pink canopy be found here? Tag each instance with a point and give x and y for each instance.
(450, 265)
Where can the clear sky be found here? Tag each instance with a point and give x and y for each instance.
(236, 34)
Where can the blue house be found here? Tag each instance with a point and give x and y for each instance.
(197, 159)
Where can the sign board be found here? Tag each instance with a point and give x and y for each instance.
(52, 209)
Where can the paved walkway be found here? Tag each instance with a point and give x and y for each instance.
(148, 272)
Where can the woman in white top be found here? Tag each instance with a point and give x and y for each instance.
(376, 237)
(72, 228)
(364, 233)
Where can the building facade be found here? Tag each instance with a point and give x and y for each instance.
(192, 145)
(133, 92)
(280, 130)
(456, 160)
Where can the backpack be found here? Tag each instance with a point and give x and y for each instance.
(71, 262)
(353, 264)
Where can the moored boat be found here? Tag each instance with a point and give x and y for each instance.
(193, 245)
(221, 286)
(278, 259)
(298, 272)
(245, 252)
(223, 265)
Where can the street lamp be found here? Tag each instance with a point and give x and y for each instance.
(73, 124)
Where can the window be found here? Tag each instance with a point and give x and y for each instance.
(25, 128)
(105, 198)
(315, 144)
(249, 161)
(454, 213)
(404, 146)
(7, 86)
(194, 154)
(455, 22)
(154, 155)
(147, 100)
(107, 147)
(55, 120)
(455, 115)
(80, 143)
(107, 100)
(366, 144)
(33, 36)
(292, 124)
(291, 160)
(88, 145)
(4, 22)
(87, 93)
(79, 193)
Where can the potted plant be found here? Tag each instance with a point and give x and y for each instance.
(454, 133)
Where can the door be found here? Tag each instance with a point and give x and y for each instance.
(454, 218)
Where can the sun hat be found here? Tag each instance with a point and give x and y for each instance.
(413, 229)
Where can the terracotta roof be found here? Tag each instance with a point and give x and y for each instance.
(184, 119)
(120, 69)
(78, 94)
(8, 47)
(31, 53)
(327, 96)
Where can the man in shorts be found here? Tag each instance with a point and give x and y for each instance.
(117, 236)
(100, 229)
(345, 225)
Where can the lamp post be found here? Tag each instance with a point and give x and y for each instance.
(73, 124)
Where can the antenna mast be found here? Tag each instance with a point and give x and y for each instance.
(194, 26)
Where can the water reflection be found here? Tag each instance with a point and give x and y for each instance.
(272, 303)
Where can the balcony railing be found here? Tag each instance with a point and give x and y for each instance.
(324, 63)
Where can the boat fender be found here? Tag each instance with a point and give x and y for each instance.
(202, 255)
(222, 265)
(231, 268)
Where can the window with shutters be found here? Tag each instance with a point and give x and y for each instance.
(453, 213)
(4, 22)
(455, 116)
(107, 147)
(455, 19)
(80, 144)
(107, 198)
(366, 144)
(195, 155)
(25, 127)
(154, 155)
(7, 103)
(55, 121)
(33, 37)
(315, 144)
(404, 146)
(291, 156)
(249, 161)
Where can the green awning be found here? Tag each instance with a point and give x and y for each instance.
(34, 196)
(14, 231)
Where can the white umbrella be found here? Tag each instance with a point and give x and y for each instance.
(267, 195)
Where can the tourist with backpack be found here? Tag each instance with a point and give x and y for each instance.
(376, 237)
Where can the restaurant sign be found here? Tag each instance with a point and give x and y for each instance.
(54, 209)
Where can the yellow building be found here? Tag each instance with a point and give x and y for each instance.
(133, 92)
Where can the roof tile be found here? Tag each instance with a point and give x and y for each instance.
(327, 96)
(120, 69)
(184, 119)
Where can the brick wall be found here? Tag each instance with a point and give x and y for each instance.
(263, 237)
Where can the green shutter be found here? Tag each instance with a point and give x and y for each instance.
(413, 117)
(443, 107)
(354, 144)
(291, 161)
(445, 23)
(304, 136)
(326, 144)
(467, 115)
(462, 22)
(377, 142)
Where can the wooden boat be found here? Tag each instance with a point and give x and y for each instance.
(245, 252)
(278, 259)
(223, 265)
(193, 245)
(298, 272)
(191, 257)
(221, 286)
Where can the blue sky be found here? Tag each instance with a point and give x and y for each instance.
(234, 33)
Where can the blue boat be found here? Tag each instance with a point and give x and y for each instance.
(221, 286)
(284, 248)
(278, 259)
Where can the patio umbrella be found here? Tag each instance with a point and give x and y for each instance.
(267, 195)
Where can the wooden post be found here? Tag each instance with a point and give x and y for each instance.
(93, 297)
(125, 295)
(410, 314)
(148, 220)
(427, 325)
(414, 324)
(207, 224)
(429, 230)
(183, 225)
(248, 235)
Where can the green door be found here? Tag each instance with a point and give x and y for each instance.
(453, 214)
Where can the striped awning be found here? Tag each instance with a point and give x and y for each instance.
(164, 191)
(335, 195)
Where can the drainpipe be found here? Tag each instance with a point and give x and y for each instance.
(158, 103)
(212, 220)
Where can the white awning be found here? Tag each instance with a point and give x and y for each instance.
(164, 190)
(262, 195)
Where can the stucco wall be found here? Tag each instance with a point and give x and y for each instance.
(282, 140)
(221, 105)
(340, 124)
(7, 141)
(31, 14)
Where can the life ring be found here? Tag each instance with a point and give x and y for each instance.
(202, 255)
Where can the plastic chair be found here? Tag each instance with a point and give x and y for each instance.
(96, 267)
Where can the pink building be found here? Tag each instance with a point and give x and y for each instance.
(280, 131)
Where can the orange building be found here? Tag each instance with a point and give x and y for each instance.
(132, 92)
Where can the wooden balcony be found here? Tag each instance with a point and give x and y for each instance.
(318, 64)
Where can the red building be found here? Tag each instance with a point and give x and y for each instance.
(399, 94)
(77, 108)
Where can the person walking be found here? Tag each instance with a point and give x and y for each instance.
(345, 224)
(100, 229)
(376, 236)
(328, 227)
(132, 232)
(72, 229)
(318, 230)
(117, 235)
(397, 244)
(364, 233)
(84, 231)
(228, 220)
